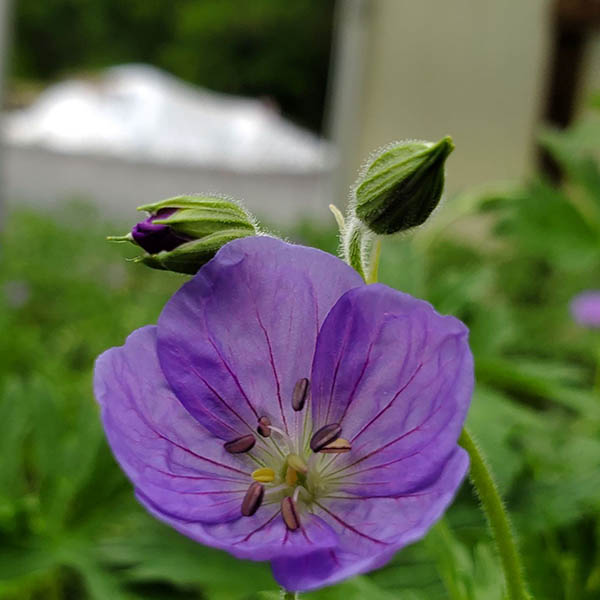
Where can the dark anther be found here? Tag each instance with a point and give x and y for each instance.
(290, 514)
(300, 393)
(253, 499)
(324, 436)
(241, 444)
(264, 426)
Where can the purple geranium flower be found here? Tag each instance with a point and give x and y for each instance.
(585, 308)
(283, 410)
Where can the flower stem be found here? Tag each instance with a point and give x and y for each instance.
(487, 490)
(597, 374)
(373, 274)
(285, 595)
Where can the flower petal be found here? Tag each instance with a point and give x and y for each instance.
(234, 341)
(371, 530)
(166, 453)
(263, 536)
(398, 377)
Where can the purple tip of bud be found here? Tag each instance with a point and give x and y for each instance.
(155, 237)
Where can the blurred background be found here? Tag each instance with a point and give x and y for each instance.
(109, 104)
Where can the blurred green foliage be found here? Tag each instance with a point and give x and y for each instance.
(208, 42)
(507, 261)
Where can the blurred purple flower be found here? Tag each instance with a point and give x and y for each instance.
(283, 410)
(585, 308)
(156, 237)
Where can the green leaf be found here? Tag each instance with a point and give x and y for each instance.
(356, 588)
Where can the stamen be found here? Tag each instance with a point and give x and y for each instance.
(291, 476)
(264, 426)
(324, 436)
(279, 431)
(241, 444)
(338, 446)
(253, 499)
(264, 475)
(290, 514)
(300, 393)
(296, 463)
(284, 436)
(297, 493)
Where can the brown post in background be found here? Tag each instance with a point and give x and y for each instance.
(572, 23)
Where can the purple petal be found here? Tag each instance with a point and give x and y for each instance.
(399, 378)
(585, 309)
(233, 341)
(155, 237)
(371, 530)
(263, 536)
(166, 453)
(181, 472)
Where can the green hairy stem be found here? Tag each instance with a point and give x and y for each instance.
(498, 519)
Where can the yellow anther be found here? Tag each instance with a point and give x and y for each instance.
(291, 477)
(338, 446)
(264, 475)
(297, 463)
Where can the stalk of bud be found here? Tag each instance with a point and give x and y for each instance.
(183, 233)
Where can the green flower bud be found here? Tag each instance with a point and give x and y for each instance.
(183, 233)
(190, 256)
(401, 187)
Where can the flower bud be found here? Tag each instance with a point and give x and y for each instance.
(189, 257)
(183, 233)
(402, 186)
(154, 237)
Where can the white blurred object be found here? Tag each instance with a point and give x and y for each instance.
(141, 113)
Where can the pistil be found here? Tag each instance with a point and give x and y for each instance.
(297, 463)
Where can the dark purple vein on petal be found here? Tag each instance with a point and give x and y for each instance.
(382, 496)
(213, 493)
(275, 375)
(335, 374)
(336, 456)
(210, 414)
(391, 443)
(161, 510)
(389, 405)
(222, 400)
(351, 527)
(233, 375)
(195, 477)
(151, 427)
(257, 529)
(357, 383)
(185, 361)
